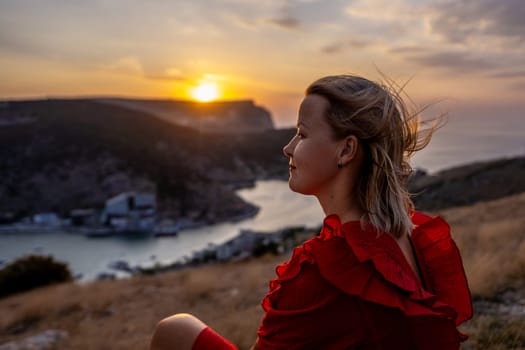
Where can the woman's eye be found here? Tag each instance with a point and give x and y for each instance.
(299, 134)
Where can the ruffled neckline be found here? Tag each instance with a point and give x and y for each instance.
(354, 268)
(380, 248)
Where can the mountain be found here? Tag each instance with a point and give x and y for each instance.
(221, 116)
(468, 184)
(58, 155)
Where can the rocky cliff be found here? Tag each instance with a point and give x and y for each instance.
(218, 117)
(469, 184)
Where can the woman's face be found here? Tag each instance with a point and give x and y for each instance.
(313, 150)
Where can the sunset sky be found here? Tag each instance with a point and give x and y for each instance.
(470, 53)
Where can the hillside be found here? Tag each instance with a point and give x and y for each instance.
(222, 116)
(57, 155)
(469, 184)
(122, 314)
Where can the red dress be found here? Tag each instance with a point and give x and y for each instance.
(352, 288)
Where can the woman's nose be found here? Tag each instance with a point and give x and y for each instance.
(284, 151)
(288, 149)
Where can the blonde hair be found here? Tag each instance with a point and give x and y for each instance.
(390, 134)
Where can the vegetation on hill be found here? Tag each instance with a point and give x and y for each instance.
(77, 153)
(30, 272)
(469, 184)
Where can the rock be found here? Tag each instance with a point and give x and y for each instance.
(43, 341)
(468, 184)
(508, 303)
(105, 276)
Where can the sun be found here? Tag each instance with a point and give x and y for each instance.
(205, 92)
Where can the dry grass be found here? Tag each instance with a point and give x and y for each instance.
(496, 333)
(491, 237)
(122, 314)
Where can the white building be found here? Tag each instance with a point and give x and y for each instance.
(130, 211)
(46, 219)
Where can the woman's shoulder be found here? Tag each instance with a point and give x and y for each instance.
(354, 260)
(360, 261)
(441, 264)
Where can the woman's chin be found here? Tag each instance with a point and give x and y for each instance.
(292, 185)
(296, 188)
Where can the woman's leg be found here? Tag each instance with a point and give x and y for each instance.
(176, 332)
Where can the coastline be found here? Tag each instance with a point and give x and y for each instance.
(440, 188)
(437, 191)
(127, 310)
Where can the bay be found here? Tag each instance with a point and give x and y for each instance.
(462, 140)
(90, 256)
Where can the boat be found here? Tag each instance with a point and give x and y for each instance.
(166, 231)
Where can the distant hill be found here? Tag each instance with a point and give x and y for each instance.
(58, 155)
(469, 184)
(221, 116)
(64, 154)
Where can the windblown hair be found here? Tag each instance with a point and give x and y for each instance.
(389, 133)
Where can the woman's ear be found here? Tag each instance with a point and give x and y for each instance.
(348, 149)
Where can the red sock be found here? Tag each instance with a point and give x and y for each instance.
(208, 339)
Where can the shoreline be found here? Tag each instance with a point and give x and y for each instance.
(133, 306)
(464, 177)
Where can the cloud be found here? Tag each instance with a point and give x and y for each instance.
(384, 11)
(286, 22)
(171, 74)
(242, 22)
(341, 46)
(409, 50)
(463, 21)
(285, 19)
(519, 86)
(453, 61)
(508, 74)
(125, 65)
(393, 20)
(251, 14)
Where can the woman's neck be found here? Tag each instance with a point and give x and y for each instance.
(346, 215)
(339, 196)
(344, 206)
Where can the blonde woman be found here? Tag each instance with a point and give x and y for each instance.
(379, 275)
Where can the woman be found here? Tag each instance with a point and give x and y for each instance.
(379, 275)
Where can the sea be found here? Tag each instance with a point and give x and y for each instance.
(460, 141)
